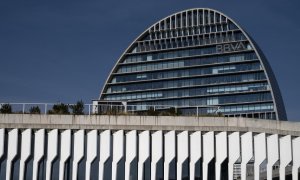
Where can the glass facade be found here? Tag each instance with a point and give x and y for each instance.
(197, 57)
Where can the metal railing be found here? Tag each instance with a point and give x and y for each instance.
(23, 108)
(117, 109)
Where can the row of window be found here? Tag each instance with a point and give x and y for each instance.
(189, 18)
(187, 72)
(187, 82)
(239, 98)
(238, 88)
(192, 61)
(207, 39)
(177, 63)
(189, 92)
(210, 101)
(190, 31)
(181, 53)
(246, 108)
(258, 115)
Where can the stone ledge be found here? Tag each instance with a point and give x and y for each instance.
(180, 123)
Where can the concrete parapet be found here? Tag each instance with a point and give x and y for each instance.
(180, 123)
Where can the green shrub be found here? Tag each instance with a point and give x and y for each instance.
(152, 112)
(171, 112)
(6, 109)
(78, 108)
(35, 110)
(112, 110)
(59, 109)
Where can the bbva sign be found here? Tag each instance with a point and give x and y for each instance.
(230, 47)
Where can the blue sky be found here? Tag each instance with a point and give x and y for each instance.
(63, 50)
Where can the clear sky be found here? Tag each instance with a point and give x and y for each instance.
(63, 50)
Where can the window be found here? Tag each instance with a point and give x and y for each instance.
(249, 47)
(149, 57)
(141, 76)
(212, 101)
(232, 26)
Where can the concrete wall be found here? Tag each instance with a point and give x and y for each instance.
(145, 147)
(180, 123)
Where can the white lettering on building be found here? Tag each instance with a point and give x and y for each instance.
(221, 48)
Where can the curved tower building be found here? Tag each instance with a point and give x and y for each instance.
(196, 57)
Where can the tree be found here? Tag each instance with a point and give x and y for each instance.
(5, 109)
(59, 109)
(78, 108)
(171, 112)
(34, 110)
(151, 112)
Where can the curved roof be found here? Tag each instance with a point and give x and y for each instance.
(172, 22)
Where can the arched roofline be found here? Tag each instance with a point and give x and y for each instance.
(254, 46)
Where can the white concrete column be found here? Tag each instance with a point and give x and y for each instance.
(95, 107)
(52, 151)
(78, 152)
(144, 152)
(65, 152)
(2, 138)
(272, 154)
(91, 152)
(182, 151)
(203, 17)
(208, 151)
(296, 157)
(118, 151)
(221, 152)
(157, 151)
(233, 152)
(131, 151)
(247, 153)
(12, 151)
(105, 149)
(25, 151)
(259, 153)
(39, 148)
(285, 145)
(170, 152)
(195, 152)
